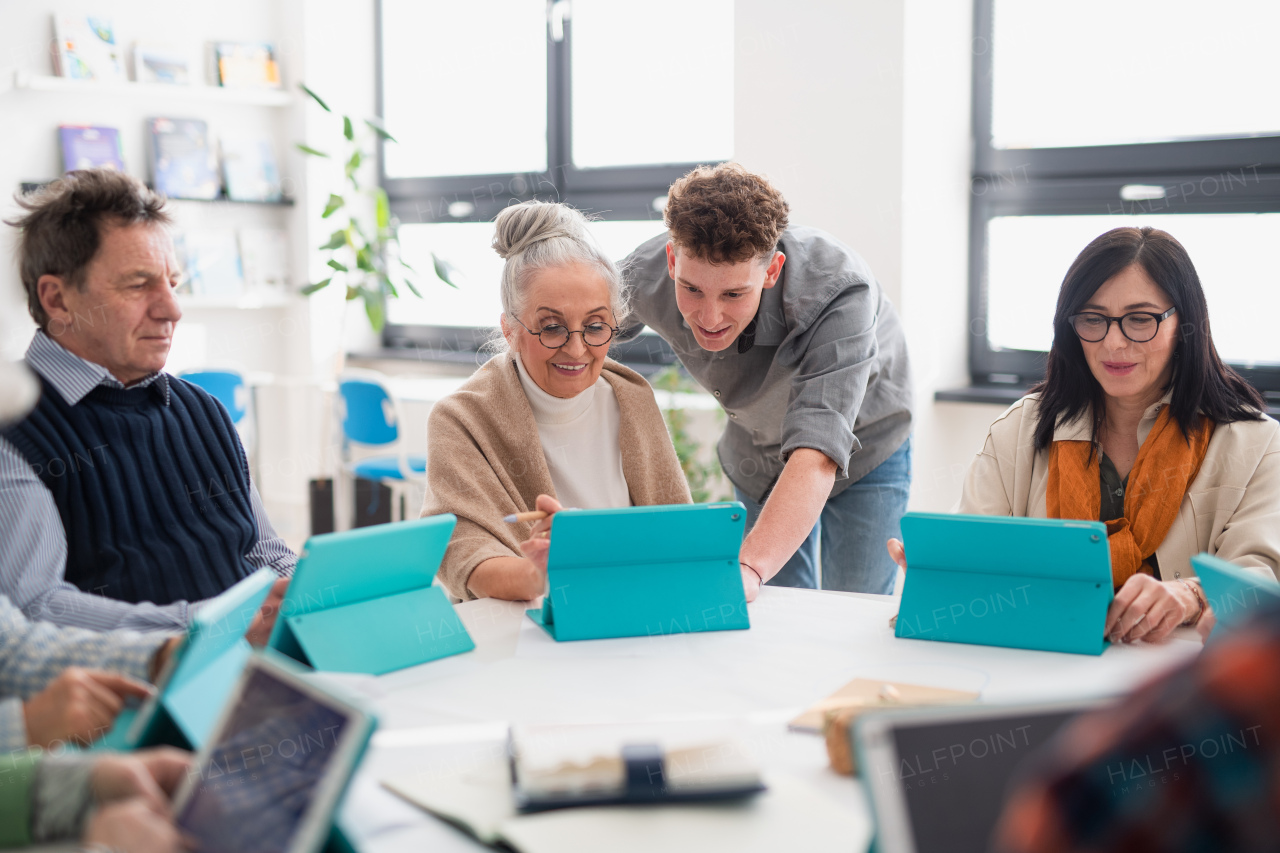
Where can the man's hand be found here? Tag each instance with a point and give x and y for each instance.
(898, 553)
(750, 582)
(1148, 609)
(79, 706)
(134, 826)
(265, 620)
(161, 658)
(152, 775)
(793, 508)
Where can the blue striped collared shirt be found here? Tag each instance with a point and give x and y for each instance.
(34, 556)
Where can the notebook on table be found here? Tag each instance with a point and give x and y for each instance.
(1025, 583)
(644, 571)
(363, 601)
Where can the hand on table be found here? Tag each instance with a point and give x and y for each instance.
(79, 705)
(151, 775)
(265, 619)
(898, 552)
(1147, 609)
(134, 826)
(750, 582)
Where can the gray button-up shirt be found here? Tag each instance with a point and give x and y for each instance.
(828, 369)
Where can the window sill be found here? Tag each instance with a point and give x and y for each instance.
(1007, 395)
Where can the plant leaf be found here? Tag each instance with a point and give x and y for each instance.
(405, 263)
(312, 288)
(317, 98)
(347, 130)
(337, 240)
(373, 308)
(307, 149)
(412, 289)
(337, 265)
(388, 285)
(364, 261)
(382, 208)
(354, 163)
(378, 129)
(352, 292)
(444, 270)
(335, 202)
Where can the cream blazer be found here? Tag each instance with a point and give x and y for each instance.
(1231, 510)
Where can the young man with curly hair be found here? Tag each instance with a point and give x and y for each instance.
(796, 339)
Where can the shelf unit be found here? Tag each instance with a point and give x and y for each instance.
(19, 81)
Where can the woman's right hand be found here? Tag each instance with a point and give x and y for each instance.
(898, 552)
(538, 545)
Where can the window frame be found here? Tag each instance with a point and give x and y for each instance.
(625, 193)
(1243, 174)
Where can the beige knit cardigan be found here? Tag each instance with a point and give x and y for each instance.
(485, 461)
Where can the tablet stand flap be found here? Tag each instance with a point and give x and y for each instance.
(382, 635)
(195, 701)
(1027, 612)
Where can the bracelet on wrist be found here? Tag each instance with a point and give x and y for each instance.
(1198, 594)
(754, 570)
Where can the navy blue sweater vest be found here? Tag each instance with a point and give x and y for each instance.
(154, 499)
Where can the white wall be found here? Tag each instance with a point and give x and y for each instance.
(859, 111)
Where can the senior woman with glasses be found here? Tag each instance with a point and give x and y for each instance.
(550, 420)
(1139, 424)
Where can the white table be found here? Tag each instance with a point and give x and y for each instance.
(446, 715)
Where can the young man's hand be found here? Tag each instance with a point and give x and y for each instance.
(134, 826)
(152, 775)
(79, 706)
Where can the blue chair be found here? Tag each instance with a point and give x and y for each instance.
(229, 388)
(371, 418)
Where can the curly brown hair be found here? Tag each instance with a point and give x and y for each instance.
(725, 215)
(64, 221)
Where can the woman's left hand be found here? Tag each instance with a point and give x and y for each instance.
(538, 545)
(1148, 609)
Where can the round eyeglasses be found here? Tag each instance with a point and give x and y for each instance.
(554, 335)
(1137, 326)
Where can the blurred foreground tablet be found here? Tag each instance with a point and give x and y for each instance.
(275, 767)
(938, 777)
(1233, 593)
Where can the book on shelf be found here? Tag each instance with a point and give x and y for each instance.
(156, 64)
(249, 169)
(86, 48)
(183, 163)
(86, 147)
(247, 65)
(264, 257)
(211, 264)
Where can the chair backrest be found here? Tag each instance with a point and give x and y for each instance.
(226, 386)
(368, 412)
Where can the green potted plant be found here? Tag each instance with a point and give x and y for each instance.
(363, 252)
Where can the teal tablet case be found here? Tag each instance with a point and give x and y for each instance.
(1232, 592)
(1023, 583)
(644, 571)
(199, 676)
(362, 600)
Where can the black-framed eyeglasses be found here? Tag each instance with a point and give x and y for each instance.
(554, 335)
(1137, 326)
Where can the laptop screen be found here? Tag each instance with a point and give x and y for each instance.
(954, 775)
(264, 770)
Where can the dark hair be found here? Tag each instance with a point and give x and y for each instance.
(1201, 383)
(725, 214)
(63, 226)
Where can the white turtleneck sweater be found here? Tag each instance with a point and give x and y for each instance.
(580, 442)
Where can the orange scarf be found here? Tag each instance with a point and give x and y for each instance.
(1166, 465)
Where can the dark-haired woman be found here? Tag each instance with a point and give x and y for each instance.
(1138, 423)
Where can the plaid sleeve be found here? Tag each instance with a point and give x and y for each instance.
(1190, 762)
(34, 653)
(13, 728)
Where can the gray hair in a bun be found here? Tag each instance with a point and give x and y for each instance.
(538, 235)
